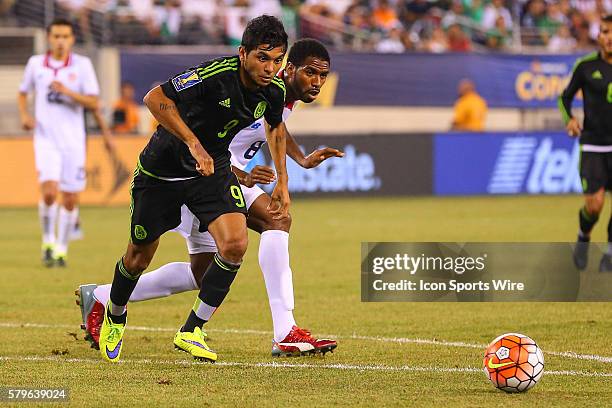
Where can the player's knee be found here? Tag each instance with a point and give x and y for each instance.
(49, 197)
(69, 201)
(233, 248)
(284, 224)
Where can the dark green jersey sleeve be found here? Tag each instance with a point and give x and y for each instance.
(567, 97)
(274, 113)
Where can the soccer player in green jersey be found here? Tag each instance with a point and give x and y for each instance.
(187, 162)
(593, 76)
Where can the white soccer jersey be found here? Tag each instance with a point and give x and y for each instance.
(59, 119)
(249, 140)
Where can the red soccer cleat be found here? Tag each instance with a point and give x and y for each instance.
(299, 342)
(92, 314)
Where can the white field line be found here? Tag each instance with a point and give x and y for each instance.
(400, 340)
(342, 367)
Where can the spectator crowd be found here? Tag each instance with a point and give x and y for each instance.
(455, 25)
(391, 26)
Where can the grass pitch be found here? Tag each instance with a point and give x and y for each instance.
(389, 354)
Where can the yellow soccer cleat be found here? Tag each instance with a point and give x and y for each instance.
(194, 344)
(111, 338)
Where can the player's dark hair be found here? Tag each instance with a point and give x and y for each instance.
(60, 22)
(264, 30)
(607, 18)
(307, 47)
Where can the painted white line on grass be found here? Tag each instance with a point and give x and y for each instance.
(400, 340)
(343, 367)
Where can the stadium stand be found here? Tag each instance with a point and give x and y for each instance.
(361, 25)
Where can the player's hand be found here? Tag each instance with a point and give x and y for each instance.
(204, 163)
(57, 86)
(319, 156)
(573, 128)
(279, 206)
(27, 122)
(260, 175)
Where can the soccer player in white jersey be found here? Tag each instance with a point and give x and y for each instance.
(64, 84)
(307, 69)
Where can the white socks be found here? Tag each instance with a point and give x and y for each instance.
(274, 263)
(65, 225)
(171, 278)
(47, 215)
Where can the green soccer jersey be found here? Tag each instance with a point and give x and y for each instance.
(215, 105)
(593, 75)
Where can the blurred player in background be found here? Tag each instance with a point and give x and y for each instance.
(307, 68)
(593, 75)
(64, 85)
(187, 162)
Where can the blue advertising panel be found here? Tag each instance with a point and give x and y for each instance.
(505, 163)
(518, 81)
(373, 165)
(522, 81)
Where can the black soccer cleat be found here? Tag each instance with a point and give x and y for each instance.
(605, 265)
(47, 258)
(581, 254)
(61, 261)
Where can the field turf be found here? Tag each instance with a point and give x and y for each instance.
(389, 354)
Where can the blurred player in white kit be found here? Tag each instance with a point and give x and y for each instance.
(64, 85)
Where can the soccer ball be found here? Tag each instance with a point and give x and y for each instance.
(513, 362)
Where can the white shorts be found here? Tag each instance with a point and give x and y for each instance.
(67, 167)
(198, 242)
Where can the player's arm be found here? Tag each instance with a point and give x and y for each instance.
(259, 175)
(27, 120)
(277, 142)
(567, 97)
(313, 159)
(27, 84)
(164, 110)
(107, 136)
(87, 101)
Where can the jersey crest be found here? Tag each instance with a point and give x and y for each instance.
(259, 110)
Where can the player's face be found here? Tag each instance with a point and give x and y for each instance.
(61, 40)
(605, 38)
(307, 79)
(262, 64)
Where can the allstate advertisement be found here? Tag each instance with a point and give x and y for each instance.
(510, 81)
(506, 163)
(372, 165)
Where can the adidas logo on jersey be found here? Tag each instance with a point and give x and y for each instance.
(597, 75)
(225, 102)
